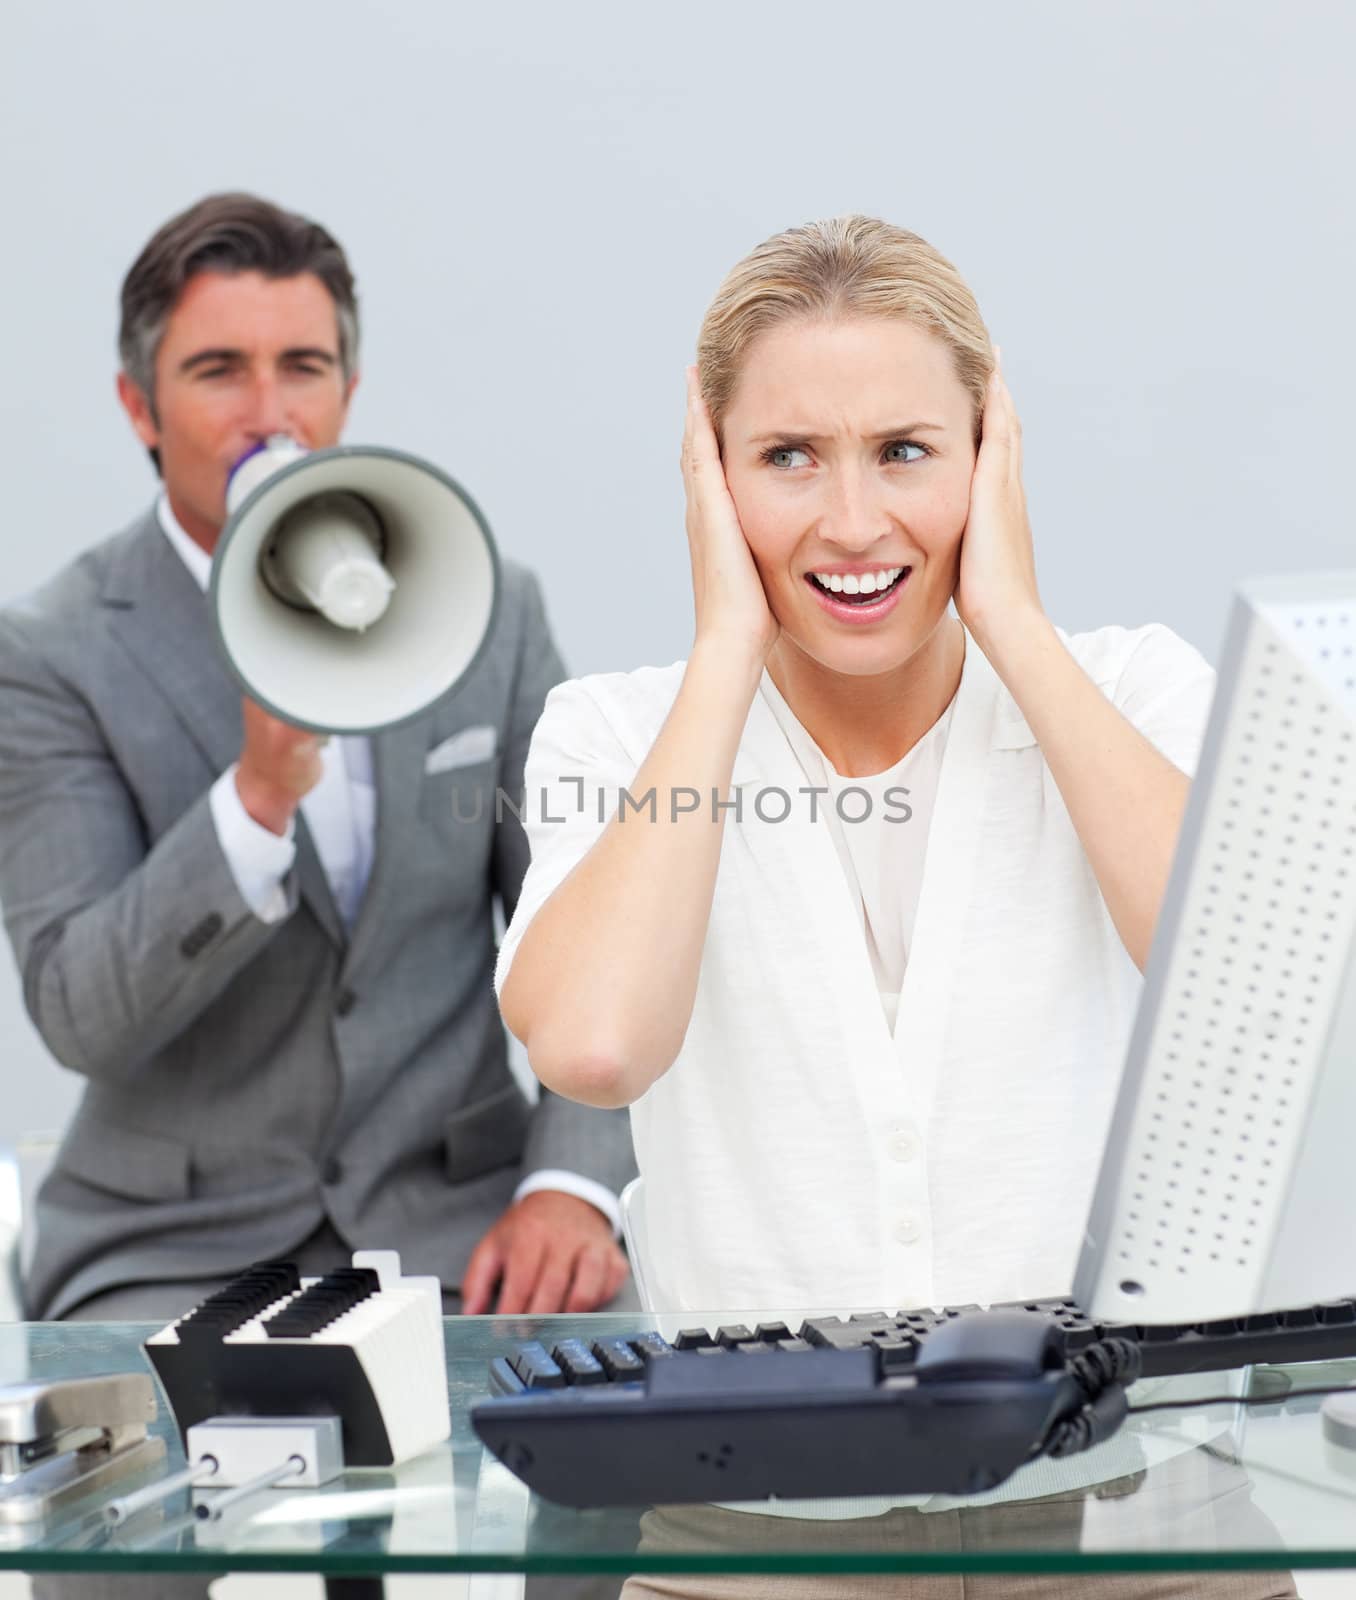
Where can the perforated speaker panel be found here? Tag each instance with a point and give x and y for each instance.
(1236, 1025)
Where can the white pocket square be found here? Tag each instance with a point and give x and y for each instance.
(461, 749)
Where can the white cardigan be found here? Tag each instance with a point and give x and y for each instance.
(796, 1154)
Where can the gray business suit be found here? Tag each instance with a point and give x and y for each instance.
(247, 1081)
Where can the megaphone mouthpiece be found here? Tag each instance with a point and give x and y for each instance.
(326, 553)
(355, 593)
(258, 463)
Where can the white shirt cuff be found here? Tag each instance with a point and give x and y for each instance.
(258, 858)
(597, 1194)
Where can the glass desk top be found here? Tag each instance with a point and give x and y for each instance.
(1214, 1487)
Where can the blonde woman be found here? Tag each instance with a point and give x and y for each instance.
(869, 1046)
(850, 907)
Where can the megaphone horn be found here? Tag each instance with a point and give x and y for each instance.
(352, 586)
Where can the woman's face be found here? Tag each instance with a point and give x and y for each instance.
(848, 448)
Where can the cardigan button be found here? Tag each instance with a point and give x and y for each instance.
(903, 1147)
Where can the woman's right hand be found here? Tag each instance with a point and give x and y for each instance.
(731, 604)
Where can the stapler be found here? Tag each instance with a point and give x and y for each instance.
(72, 1437)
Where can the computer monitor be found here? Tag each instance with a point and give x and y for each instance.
(1228, 1183)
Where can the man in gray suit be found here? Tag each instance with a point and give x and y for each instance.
(268, 955)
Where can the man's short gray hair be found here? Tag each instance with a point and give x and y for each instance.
(227, 233)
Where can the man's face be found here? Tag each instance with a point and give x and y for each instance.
(243, 357)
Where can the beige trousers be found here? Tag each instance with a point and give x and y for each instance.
(1201, 1500)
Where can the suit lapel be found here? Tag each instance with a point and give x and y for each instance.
(398, 767)
(160, 617)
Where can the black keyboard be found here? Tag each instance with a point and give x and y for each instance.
(833, 1407)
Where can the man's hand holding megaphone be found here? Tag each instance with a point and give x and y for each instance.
(278, 766)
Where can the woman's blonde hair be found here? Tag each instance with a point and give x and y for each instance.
(845, 267)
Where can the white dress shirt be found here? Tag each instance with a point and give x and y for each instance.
(800, 1151)
(341, 814)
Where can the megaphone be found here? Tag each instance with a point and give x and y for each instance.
(351, 586)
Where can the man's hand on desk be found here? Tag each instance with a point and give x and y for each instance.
(549, 1252)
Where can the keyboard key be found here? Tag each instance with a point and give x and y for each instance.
(794, 1346)
(772, 1332)
(732, 1334)
(578, 1362)
(650, 1347)
(1336, 1312)
(693, 1339)
(618, 1360)
(897, 1355)
(536, 1368)
(503, 1379)
(830, 1333)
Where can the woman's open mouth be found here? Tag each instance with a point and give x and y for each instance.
(859, 597)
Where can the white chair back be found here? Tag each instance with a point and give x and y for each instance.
(22, 1170)
(36, 1152)
(637, 1240)
(11, 1237)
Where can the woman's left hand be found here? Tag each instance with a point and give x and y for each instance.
(996, 586)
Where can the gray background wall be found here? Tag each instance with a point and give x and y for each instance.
(1151, 201)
